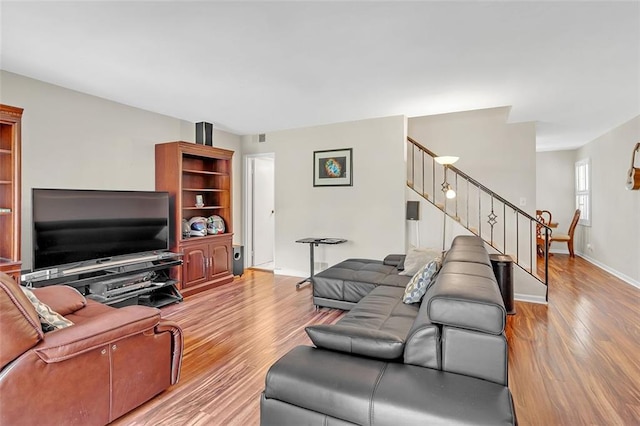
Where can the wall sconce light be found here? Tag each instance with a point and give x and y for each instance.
(449, 192)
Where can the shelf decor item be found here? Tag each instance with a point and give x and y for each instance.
(333, 167)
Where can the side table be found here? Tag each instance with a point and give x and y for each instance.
(314, 242)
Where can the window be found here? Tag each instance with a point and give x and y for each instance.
(583, 191)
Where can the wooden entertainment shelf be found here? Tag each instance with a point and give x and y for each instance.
(187, 170)
(128, 282)
(10, 190)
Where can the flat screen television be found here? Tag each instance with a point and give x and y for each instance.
(84, 227)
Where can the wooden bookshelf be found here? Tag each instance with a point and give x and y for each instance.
(187, 170)
(10, 190)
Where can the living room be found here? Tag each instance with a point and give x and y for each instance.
(71, 139)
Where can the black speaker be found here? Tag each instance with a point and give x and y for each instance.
(413, 210)
(238, 260)
(204, 133)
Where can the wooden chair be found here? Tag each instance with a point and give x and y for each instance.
(567, 238)
(543, 216)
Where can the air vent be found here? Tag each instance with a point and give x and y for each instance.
(262, 137)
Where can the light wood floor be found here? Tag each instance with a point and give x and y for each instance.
(573, 362)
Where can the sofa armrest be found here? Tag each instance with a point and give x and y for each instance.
(396, 260)
(63, 299)
(177, 344)
(71, 341)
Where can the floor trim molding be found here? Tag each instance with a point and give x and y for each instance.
(530, 298)
(610, 270)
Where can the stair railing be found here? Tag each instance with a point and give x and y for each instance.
(510, 229)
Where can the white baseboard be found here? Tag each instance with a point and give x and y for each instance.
(290, 272)
(530, 298)
(612, 271)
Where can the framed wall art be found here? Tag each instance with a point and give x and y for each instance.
(333, 167)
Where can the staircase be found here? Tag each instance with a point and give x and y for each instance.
(501, 224)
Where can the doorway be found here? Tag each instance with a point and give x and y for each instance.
(260, 212)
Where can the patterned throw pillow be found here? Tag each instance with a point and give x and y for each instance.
(421, 281)
(49, 319)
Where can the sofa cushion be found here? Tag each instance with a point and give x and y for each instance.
(418, 257)
(423, 344)
(327, 382)
(468, 268)
(50, 319)
(467, 253)
(352, 279)
(63, 299)
(376, 327)
(421, 281)
(372, 392)
(467, 240)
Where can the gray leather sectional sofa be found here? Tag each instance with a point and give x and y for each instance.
(441, 361)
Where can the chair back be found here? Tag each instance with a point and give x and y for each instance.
(574, 222)
(544, 216)
(19, 321)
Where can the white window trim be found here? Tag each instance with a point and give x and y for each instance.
(585, 215)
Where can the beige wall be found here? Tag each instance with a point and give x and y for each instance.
(370, 214)
(613, 239)
(614, 234)
(74, 140)
(555, 189)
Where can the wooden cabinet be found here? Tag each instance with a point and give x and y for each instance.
(10, 189)
(189, 172)
(205, 261)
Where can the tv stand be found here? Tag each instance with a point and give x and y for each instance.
(144, 281)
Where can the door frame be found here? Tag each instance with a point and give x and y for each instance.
(248, 205)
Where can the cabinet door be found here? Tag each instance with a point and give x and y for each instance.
(220, 259)
(194, 266)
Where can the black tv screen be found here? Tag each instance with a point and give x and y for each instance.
(72, 226)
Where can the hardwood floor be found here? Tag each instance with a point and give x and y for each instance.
(573, 362)
(577, 360)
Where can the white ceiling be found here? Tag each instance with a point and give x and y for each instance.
(254, 67)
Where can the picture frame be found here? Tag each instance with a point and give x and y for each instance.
(333, 167)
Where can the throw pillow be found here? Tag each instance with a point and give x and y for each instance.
(421, 281)
(49, 319)
(417, 258)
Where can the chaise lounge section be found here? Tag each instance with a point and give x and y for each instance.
(439, 361)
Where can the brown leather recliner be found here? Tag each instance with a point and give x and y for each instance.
(106, 364)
